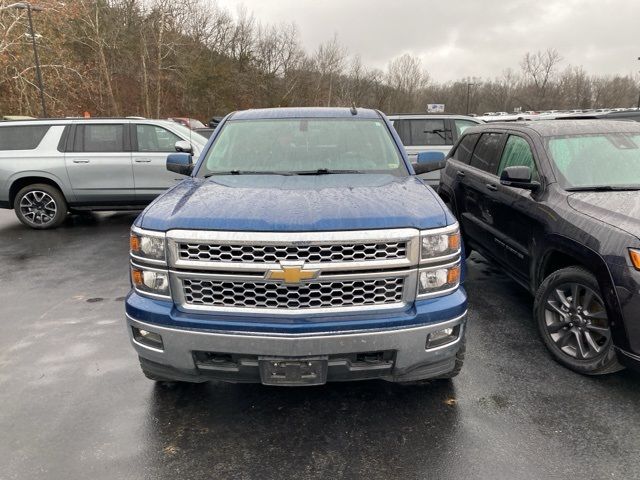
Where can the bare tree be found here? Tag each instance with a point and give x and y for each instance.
(539, 69)
(329, 59)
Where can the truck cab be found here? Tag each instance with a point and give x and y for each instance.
(301, 248)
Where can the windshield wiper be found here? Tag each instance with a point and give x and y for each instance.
(325, 171)
(246, 172)
(604, 188)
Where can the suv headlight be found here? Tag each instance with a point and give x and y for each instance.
(435, 280)
(150, 281)
(443, 242)
(147, 245)
(634, 253)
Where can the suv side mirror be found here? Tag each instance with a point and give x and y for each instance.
(518, 177)
(184, 147)
(429, 162)
(180, 163)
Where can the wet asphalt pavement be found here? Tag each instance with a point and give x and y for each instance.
(74, 405)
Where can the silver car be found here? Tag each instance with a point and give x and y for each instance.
(430, 133)
(49, 168)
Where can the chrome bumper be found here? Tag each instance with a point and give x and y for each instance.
(412, 361)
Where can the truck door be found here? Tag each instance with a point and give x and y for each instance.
(151, 145)
(99, 164)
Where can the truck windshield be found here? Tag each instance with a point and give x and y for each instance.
(303, 146)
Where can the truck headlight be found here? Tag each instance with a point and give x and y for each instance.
(434, 280)
(147, 244)
(150, 281)
(440, 243)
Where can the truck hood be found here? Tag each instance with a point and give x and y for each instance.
(296, 203)
(619, 209)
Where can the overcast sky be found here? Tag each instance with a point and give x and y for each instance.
(460, 38)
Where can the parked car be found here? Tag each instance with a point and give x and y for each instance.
(191, 123)
(633, 115)
(214, 121)
(430, 133)
(205, 132)
(556, 204)
(300, 249)
(51, 167)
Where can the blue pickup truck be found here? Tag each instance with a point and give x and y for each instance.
(301, 248)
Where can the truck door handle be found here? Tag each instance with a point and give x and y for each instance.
(81, 161)
(492, 187)
(460, 173)
(142, 160)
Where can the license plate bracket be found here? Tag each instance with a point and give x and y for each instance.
(293, 370)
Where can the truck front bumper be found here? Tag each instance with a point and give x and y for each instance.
(395, 354)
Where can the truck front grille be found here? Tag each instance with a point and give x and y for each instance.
(355, 252)
(318, 294)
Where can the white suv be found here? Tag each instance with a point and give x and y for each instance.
(51, 167)
(430, 133)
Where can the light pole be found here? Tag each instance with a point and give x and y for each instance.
(469, 85)
(29, 8)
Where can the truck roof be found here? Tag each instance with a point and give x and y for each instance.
(303, 112)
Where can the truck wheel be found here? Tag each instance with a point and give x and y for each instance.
(453, 373)
(573, 322)
(40, 206)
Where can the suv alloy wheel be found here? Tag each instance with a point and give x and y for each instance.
(573, 322)
(40, 206)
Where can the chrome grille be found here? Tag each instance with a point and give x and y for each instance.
(354, 252)
(318, 294)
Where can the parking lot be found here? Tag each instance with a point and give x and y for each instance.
(75, 405)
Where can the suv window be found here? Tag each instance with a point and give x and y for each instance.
(465, 148)
(486, 155)
(423, 131)
(152, 138)
(517, 153)
(22, 137)
(102, 137)
(462, 125)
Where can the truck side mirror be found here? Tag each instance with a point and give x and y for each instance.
(518, 177)
(184, 147)
(429, 162)
(180, 163)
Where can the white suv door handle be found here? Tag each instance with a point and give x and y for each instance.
(142, 160)
(81, 161)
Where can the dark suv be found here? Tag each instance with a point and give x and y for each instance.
(557, 205)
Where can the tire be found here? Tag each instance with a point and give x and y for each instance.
(40, 206)
(573, 323)
(453, 373)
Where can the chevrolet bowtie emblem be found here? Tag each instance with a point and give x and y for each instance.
(291, 274)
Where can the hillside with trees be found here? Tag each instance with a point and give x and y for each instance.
(159, 58)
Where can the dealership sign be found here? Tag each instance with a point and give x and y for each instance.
(435, 108)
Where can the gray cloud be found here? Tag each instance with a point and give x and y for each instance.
(460, 38)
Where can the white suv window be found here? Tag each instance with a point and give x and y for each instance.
(22, 137)
(422, 131)
(152, 138)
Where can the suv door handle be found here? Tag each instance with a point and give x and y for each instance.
(81, 161)
(491, 187)
(142, 160)
(460, 173)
